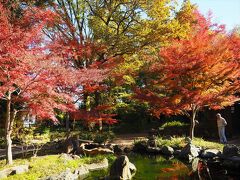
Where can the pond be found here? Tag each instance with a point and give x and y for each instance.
(151, 168)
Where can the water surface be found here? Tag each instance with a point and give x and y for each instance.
(151, 168)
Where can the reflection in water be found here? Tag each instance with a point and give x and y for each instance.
(161, 168)
(158, 167)
(152, 168)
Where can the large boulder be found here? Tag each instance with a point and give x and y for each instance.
(118, 149)
(152, 141)
(140, 147)
(87, 149)
(68, 157)
(14, 170)
(66, 175)
(153, 150)
(122, 169)
(232, 163)
(210, 153)
(97, 166)
(82, 171)
(195, 164)
(189, 152)
(231, 150)
(177, 152)
(20, 169)
(167, 150)
(127, 149)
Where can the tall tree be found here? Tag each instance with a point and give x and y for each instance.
(93, 33)
(193, 73)
(31, 78)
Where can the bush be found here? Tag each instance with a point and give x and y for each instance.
(172, 128)
(103, 137)
(86, 135)
(177, 142)
(42, 130)
(173, 124)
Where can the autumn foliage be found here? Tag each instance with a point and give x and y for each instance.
(32, 79)
(81, 58)
(193, 73)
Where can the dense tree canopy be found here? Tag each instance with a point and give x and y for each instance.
(193, 73)
(87, 58)
(31, 79)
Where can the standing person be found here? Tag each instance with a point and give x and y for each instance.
(221, 123)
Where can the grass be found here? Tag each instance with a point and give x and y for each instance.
(180, 142)
(174, 142)
(207, 144)
(43, 166)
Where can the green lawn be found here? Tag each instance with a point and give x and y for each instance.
(180, 142)
(43, 166)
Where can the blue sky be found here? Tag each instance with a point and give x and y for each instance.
(224, 11)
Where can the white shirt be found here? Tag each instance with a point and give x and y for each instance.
(221, 122)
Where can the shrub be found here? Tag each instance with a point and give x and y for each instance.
(103, 137)
(172, 128)
(173, 124)
(177, 142)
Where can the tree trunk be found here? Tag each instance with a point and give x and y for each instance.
(97, 103)
(8, 132)
(192, 126)
(67, 122)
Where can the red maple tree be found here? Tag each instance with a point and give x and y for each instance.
(32, 79)
(91, 65)
(200, 71)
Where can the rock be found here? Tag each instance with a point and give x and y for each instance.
(210, 153)
(96, 150)
(127, 149)
(188, 140)
(177, 152)
(167, 137)
(195, 164)
(65, 157)
(132, 168)
(152, 141)
(5, 173)
(189, 152)
(167, 150)
(140, 147)
(232, 162)
(82, 171)
(231, 150)
(97, 166)
(68, 157)
(122, 169)
(68, 146)
(153, 132)
(66, 175)
(14, 170)
(71, 145)
(154, 150)
(188, 158)
(75, 156)
(118, 149)
(20, 169)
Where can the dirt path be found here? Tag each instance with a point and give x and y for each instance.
(123, 140)
(128, 139)
(235, 141)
